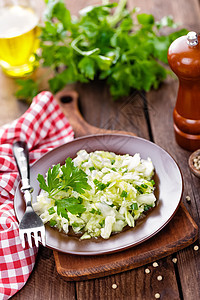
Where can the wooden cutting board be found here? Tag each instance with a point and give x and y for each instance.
(178, 234)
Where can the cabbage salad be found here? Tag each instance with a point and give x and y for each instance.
(97, 193)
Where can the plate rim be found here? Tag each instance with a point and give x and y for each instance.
(119, 248)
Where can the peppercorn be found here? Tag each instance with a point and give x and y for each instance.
(196, 162)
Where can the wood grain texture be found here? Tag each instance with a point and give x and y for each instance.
(71, 111)
(10, 108)
(134, 284)
(126, 114)
(184, 13)
(178, 234)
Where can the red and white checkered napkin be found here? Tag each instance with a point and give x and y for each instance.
(43, 126)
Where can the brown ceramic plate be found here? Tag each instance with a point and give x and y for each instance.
(168, 181)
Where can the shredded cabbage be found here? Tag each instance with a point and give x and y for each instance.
(122, 190)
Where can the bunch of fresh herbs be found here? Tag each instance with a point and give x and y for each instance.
(106, 42)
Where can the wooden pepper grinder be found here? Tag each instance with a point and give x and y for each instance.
(184, 60)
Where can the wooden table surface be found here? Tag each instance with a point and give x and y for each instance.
(151, 120)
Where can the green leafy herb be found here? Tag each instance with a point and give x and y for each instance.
(102, 223)
(94, 211)
(112, 161)
(92, 168)
(147, 207)
(80, 200)
(145, 186)
(134, 206)
(51, 210)
(52, 180)
(104, 45)
(100, 185)
(124, 194)
(52, 223)
(61, 209)
(28, 89)
(139, 189)
(74, 177)
(61, 178)
(71, 177)
(70, 204)
(75, 224)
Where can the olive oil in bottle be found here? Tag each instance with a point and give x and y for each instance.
(18, 40)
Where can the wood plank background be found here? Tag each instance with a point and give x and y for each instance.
(181, 280)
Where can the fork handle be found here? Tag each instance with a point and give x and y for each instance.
(21, 155)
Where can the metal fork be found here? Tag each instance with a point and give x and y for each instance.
(31, 223)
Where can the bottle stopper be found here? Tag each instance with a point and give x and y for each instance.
(192, 38)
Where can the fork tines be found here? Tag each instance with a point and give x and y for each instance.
(37, 233)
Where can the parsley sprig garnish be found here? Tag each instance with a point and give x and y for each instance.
(62, 178)
(71, 177)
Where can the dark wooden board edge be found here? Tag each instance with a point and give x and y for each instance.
(99, 266)
(68, 101)
(78, 268)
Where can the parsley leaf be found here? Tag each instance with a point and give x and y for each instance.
(51, 210)
(74, 177)
(145, 19)
(52, 177)
(52, 223)
(52, 180)
(87, 67)
(43, 184)
(71, 204)
(28, 89)
(61, 209)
